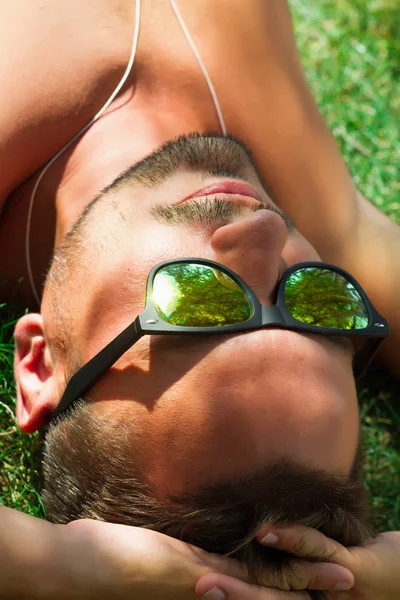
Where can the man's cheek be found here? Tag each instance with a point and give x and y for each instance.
(298, 249)
(159, 243)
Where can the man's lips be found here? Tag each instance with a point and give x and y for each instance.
(225, 188)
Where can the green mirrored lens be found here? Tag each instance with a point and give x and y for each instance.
(196, 295)
(324, 298)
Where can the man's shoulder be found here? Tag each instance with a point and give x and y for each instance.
(56, 77)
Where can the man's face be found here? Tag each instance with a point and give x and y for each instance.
(202, 408)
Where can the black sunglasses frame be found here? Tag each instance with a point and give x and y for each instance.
(278, 316)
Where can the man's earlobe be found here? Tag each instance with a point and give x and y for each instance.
(34, 374)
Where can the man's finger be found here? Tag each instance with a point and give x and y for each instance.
(222, 587)
(216, 563)
(305, 542)
(303, 575)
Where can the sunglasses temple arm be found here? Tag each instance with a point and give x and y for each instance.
(365, 355)
(86, 377)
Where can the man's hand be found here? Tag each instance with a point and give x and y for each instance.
(104, 561)
(109, 561)
(370, 570)
(92, 560)
(300, 574)
(374, 565)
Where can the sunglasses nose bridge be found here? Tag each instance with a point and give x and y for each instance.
(272, 316)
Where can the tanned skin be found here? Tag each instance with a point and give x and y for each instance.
(66, 61)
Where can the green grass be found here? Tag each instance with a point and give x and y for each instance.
(351, 53)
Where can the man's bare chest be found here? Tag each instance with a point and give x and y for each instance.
(77, 55)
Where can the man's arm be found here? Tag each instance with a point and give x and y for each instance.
(54, 76)
(267, 103)
(276, 114)
(93, 560)
(375, 262)
(28, 550)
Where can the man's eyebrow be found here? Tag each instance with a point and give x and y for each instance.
(184, 341)
(166, 343)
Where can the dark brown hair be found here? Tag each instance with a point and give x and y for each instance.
(89, 472)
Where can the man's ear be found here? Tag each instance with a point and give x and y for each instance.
(34, 373)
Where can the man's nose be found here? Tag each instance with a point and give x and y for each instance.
(252, 248)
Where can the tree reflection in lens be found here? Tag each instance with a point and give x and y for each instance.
(324, 298)
(195, 295)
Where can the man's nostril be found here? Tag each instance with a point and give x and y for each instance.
(252, 248)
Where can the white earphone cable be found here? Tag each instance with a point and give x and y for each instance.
(101, 112)
(74, 139)
(201, 64)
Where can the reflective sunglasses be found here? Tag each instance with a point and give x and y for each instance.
(198, 296)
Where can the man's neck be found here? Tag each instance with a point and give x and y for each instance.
(134, 126)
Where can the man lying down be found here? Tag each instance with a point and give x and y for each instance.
(202, 319)
(200, 435)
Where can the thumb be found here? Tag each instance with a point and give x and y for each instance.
(222, 565)
(221, 587)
